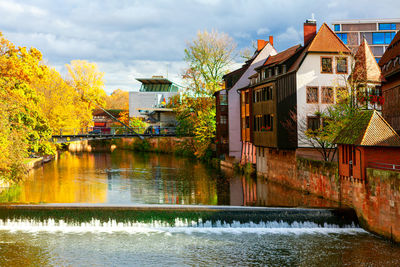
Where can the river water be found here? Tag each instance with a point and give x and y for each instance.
(125, 178)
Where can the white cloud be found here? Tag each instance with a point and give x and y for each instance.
(263, 31)
(291, 36)
(139, 38)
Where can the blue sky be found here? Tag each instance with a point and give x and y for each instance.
(129, 39)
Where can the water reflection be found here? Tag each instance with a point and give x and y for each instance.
(124, 177)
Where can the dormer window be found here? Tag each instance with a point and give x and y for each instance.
(276, 71)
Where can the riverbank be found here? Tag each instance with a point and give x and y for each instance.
(375, 200)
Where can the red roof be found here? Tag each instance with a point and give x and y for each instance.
(282, 56)
(327, 41)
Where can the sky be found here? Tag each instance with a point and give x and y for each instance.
(136, 39)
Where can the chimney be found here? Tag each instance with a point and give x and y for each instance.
(271, 40)
(310, 29)
(261, 44)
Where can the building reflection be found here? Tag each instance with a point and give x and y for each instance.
(252, 191)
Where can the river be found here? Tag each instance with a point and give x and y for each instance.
(124, 178)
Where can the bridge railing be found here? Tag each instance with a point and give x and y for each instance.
(151, 130)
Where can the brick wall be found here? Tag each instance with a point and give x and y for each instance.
(376, 201)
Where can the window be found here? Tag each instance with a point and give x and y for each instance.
(387, 26)
(341, 65)
(313, 123)
(377, 59)
(223, 119)
(327, 95)
(382, 37)
(343, 37)
(223, 101)
(247, 97)
(337, 27)
(312, 95)
(284, 69)
(269, 72)
(326, 65)
(247, 124)
(276, 71)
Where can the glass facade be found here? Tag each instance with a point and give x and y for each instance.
(387, 26)
(382, 37)
(337, 27)
(343, 37)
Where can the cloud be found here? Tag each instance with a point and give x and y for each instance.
(290, 35)
(140, 38)
(263, 31)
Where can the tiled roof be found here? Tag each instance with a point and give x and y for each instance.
(391, 53)
(282, 56)
(368, 129)
(365, 69)
(327, 41)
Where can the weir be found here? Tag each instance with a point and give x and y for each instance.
(128, 217)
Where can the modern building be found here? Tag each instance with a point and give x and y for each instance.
(378, 33)
(150, 102)
(241, 80)
(390, 66)
(367, 141)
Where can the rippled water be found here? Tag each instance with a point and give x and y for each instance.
(125, 178)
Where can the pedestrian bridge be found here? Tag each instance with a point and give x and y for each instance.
(99, 133)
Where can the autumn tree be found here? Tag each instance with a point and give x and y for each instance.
(23, 126)
(86, 78)
(118, 99)
(208, 57)
(62, 106)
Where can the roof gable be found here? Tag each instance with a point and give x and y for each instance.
(365, 69)
(327, 41)
(258, 61)
(368, 129)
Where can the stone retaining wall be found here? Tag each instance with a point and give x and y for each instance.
(376, 201)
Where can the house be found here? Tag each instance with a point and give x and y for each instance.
(291, 86)
(103, 122)
(368, 141)
(264, 50)
(150, 102)
(390, 66)
(366, 78)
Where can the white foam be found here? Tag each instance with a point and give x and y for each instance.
(179, 226)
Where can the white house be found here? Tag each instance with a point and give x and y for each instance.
(264, 50)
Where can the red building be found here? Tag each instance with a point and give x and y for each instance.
(390, 66)
(367, 142)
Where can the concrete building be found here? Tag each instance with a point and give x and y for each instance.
(378, 33)
(150, 102)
